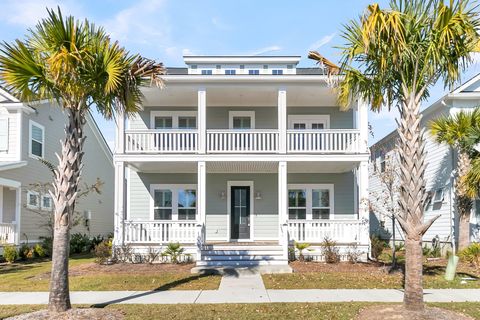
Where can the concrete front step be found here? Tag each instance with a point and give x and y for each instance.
(241, 252)
(240, 263)
(242, 257)
(241, 248)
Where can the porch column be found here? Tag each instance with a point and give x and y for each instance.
(282, 120)
(201, 191)
(202, 120)
(363, 213)
(120, 133)
(282, 207)
(18, 210)
(119, 206)
(362, 124)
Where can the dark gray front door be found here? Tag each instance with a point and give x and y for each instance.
(240, 213)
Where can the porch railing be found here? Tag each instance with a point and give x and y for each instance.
(7, 233)
(149, 141)
(326, 141)
(229, 141)
(160, 232)
(315, 231)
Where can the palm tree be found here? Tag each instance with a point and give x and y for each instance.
(75, 64)
(392, 57)
(456, 131)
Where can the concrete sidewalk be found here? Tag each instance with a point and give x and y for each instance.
(241, 295)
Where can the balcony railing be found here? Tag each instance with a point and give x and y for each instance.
(236, 141)
(160, 232)
(323, 141)
(161, 141)
(7, 233)
(315, 231)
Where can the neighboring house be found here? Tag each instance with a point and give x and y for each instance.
(29, 132)
(439, 176)
(239, 156)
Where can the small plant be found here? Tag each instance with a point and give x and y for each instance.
(10, 253)
(399, 247)
(152, 255)
(25, 252)
(471, 254)
(103, 252)
(95, 241)
(39, 251)
(123, 253)
(300, 247)
(431, 252)
(174, 251)
(330, 251)
(46, 243)
(353, 254)
(377, 246)
(291, 254)
(80, 243)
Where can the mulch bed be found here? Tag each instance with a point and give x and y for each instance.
(73, 314)
(398, 312)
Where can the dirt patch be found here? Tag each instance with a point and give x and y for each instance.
(398, 312)
(73, 314)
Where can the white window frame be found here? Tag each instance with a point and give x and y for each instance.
(308, 119)
(32, 123)
(174, 188)
(41, 202)
(308, 188)
(34, 193)
(232, 114)
(174, 115)
(442, 190)
(5, 127)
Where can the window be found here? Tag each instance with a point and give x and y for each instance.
(438, 197)
(37, 139)
(382, 163)
(33, 200)
(309, 121)
(187, 204)
(297, 204)
(241, 119)
(242, 66)
(47, 202)
(206, 72)
(230, 72)
(218, 67)
(277, 72)
(318, 126)
(320, 203)
(289, 66)
(162, 208)
(173, 119)
(163, 122)
(187, 122)
(265, 66)
(299, 126)
(253, 72)
(4, 134)
(242, 123)
(193, 66)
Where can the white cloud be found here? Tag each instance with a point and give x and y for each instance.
(323, 41)
(265, 50)
(187, 52)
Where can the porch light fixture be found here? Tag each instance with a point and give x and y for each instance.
(222, 195)
(258, 195)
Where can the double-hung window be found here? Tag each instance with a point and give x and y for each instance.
(230, 72)
(310, 201)
(163, 122)
(33, 200)
(297, 204)
(254, 72)
(277, 72)
(320, 203)
(37, 139)
(163, 205)
(186, 122)
(47, 203)
(187, 204)
(206, 72)
(174, 202)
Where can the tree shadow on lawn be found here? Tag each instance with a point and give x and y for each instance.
(164, 287)
(440, 270)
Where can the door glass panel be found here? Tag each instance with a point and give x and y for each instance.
(163, 122)
(242, 123)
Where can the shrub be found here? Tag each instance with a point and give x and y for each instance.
(471, 254)
(25, 252)
(353, 254)
(95, 241)
(103, 251)
(10, 253)
(431, 252)
(123, 253)
(330, 251)
(377, 246)
(174, 251)
(80, 243)
(39, 251)
(152, 255)
(300, 247)
(47, 243)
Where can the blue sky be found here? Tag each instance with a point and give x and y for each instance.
(166, 29)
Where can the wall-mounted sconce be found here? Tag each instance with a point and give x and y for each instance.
(221, 194)
(258, 195)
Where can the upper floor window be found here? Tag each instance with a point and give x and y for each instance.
(230, 72)
(265, 66)
(242, 66)
(311, 122)
(241, 119)
(187, 122)
(253, 72)
(289, 66)
(193, 66)
(163, 122)
(218, 67)
(47, 202)
(37, 140)
(173, 119)
(4, 134)
(277, 71)
(206, 72)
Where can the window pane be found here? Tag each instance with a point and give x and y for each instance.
(37, 133)
(163, 214)
(186, 214)
(297, 198)
(438, 195)
(32, 199)
(37, 148)
(320, 198)
(241, 122)
(187, 198)
(187, 122)
(163, 198)
(321, 214)
(297, 213)
(46, 202)
(163, 122)
(299, 126)
(317, 126)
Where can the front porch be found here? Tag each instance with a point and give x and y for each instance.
(10, 207)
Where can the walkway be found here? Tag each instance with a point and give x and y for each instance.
(241, 287)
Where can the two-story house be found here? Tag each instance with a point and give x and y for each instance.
(29, 133)
(237, 158)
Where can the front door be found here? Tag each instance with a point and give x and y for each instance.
(240, 213)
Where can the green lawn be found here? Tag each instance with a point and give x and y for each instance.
(33, 276)
(274, 311)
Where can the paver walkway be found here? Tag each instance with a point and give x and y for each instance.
(241, 287)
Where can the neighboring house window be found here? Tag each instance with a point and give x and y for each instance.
(241, 119)
(277, 72)
(47, 202)
(438, 197)
(297, 204)
(230, 72)
(4, 134)
(206, 72)
(382, 163)
(218, 66)
(253, 72)
(33, 200)
(163, 204)
(37, 139)
(187, 204)
(320, 203)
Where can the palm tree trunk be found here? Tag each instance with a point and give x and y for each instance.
(463, 201)
(413, 298)
(65, 186)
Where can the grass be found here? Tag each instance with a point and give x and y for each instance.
(274, 311)
(27, 276)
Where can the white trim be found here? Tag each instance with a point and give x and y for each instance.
(127, 206)
(229, 208)
(174, 188)
(18, 212)
(308, 119)
(30, 124)
(19, 136)
(10, 183)
(232, 114)
(308, 187)
(34, 193)
(3, 127)
(174, 114)
(12, 165)
(1, 203)
(240, 59)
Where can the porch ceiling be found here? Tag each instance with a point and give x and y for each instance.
(164, 167)
(320, 167)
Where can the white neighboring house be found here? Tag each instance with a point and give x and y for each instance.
(439, 176)
(32, 131)
(239, 156)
